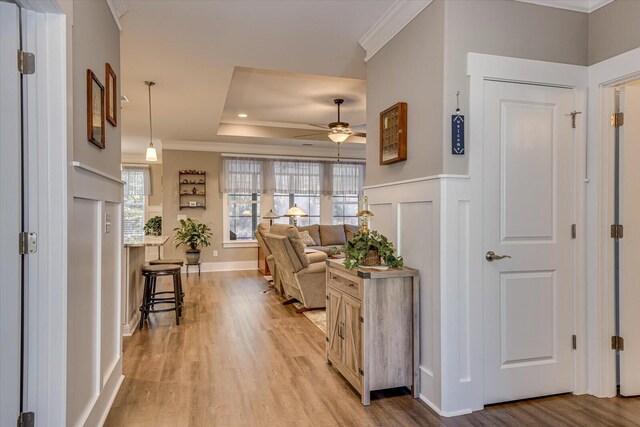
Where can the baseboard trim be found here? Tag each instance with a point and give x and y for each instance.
(112, 399)
(442, 413)
(210, 267)
(130, 328)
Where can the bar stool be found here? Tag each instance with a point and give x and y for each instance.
(151, 297)
(174, 261)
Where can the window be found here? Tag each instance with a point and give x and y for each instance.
(135, 188)
(307, 202)
(244, 215)
(345, 209)
(347, 180)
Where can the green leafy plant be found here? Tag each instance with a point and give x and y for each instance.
(153, 227)
(192, 234)
(366, 244)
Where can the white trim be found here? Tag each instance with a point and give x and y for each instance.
(117, 8)
(441, 413)
(585, 6)
(305, 158)
(409, 181)
(602, 77)
(41, 6)
(129, 328)
(257, 148)
(391, 23)
(489, 67)
(98, 172)
(112, 398)
(239, 243)
(209, 267)
(124, 165)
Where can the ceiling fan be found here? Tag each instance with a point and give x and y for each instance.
(338, 131)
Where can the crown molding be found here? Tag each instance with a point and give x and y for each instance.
(273, 150)
(118, 8)
(394, 19)
(585, 6)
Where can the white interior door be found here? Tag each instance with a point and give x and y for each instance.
(528, 211)
(10, 217)
(629, 245)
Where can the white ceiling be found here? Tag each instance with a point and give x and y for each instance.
(586, 6)
(191, 48)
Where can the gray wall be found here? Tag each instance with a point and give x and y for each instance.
(507, 28)
(409, 69)
(155, 172)
(614, 29)
(174, 161)
(96, 40)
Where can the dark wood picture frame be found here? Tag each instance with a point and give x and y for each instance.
(95, 134)
(112, 95)
(393, 134)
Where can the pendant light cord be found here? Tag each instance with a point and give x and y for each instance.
(150, 123)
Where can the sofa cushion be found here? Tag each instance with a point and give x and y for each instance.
(314, 232)
(306, 238)
(350, 231)
(332, 235)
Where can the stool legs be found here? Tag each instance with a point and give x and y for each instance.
(177, 296)
(151, 297)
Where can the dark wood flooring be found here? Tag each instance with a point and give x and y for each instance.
(240, 358)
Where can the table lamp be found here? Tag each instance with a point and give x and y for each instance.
(295, 212)
(364, 214)
(271, 215)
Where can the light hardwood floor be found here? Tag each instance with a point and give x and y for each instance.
(240, 358)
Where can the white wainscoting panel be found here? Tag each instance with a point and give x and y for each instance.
(94, 346)
(428, 220)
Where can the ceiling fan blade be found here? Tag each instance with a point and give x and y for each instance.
(359, 127)
(360, 134)
(318, 126)
(308, 135)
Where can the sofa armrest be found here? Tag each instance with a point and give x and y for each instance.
(314, 268)
(315, 257)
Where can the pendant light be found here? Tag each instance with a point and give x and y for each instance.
(339, 131)
(152, 155)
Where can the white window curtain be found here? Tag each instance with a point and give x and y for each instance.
(137, 180)
(242, 175)
(297, 177)
(347, 178)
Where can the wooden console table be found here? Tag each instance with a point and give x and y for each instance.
(373, 327)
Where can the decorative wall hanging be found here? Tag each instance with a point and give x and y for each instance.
(393, 134)
(112, 95)
(95, 110)
(457, 130)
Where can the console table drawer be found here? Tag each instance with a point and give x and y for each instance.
(345, 285)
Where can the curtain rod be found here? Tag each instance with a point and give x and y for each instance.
(134, 165)
(262, 156)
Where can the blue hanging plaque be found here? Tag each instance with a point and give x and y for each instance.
(457, 134)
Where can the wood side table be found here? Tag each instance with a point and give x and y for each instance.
(373, 327)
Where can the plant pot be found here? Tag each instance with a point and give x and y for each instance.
(193, 256)
(371, 259)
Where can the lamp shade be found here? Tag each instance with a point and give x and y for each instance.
(152, 155)
(270, 215)
(339, 136)
(295, 211)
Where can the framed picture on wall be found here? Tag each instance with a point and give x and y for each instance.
(112, 95)
(393, 134)
(95, 110)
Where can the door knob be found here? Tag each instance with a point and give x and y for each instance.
(491, 256)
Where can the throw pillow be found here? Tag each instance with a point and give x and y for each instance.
(307, 239)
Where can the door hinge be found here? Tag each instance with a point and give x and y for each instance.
(26, 62)
(574, 342)
(617, 343)
(617, 120)
(574, 231)
(27, 243)
(26, 419)
(617, 231)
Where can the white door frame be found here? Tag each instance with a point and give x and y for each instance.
(482, 67)
(45, 112)
(603, 76)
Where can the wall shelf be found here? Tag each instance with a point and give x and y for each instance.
(192, 179)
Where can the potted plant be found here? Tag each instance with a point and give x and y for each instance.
(192, 234)
(153, 227)
(369, 249)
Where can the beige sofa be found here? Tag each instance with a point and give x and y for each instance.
(261, 233)
(302, 275)
(329, 237)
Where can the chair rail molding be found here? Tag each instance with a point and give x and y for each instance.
(391, 23)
